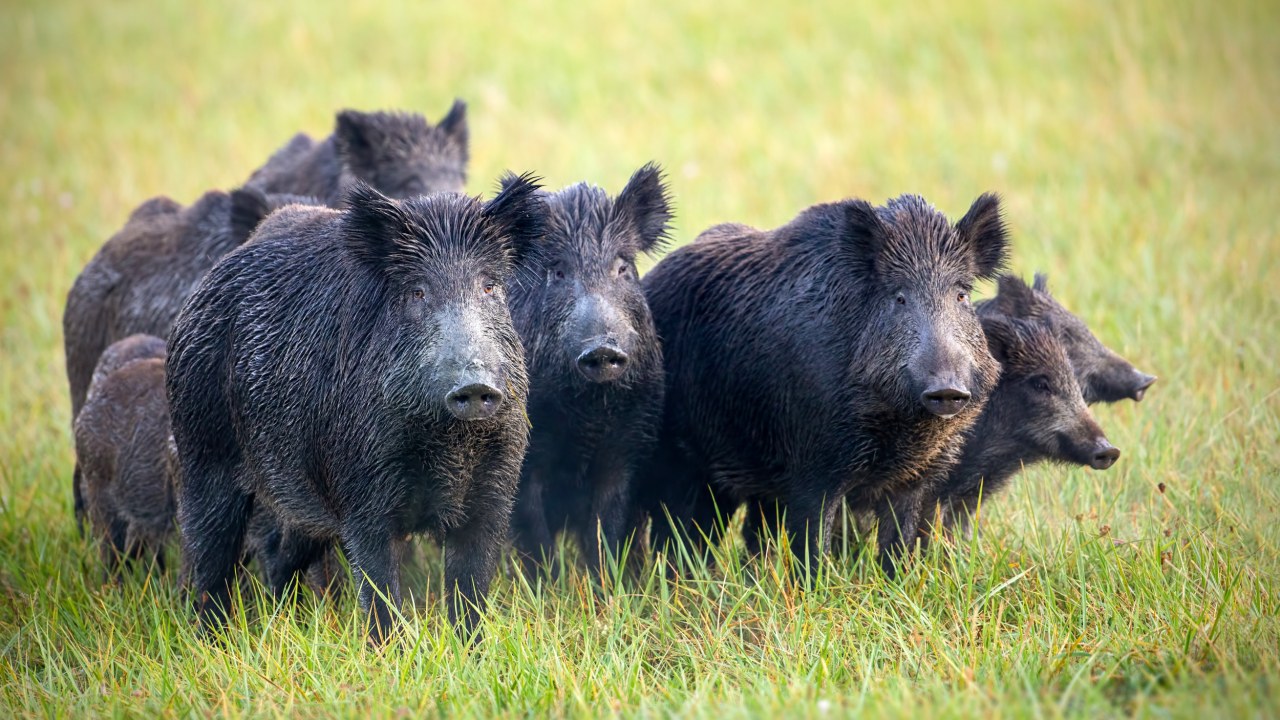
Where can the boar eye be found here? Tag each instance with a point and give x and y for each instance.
(962, 297)
(558, 273)
(419, 293)
(624, 268)
(489, 287)
(1042, 385)
(901, 299)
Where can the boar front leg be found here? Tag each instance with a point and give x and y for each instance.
(899, 524)
(603, 532)
(473, 548)
(373, 556)
(470, 559)
(535, 543)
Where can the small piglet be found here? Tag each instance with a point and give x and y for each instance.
(1036, 413)
(122, 447)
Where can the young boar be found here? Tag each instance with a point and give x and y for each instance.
(835, 357)
(1104, 376)
(121, 438)
(398, 154)
(143, 274)
(595, 369)
(357, 372)
(1036, 413)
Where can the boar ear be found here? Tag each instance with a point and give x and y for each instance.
(155, 207)
(356, 135)
(249, 206)
(1042, 283)
(1015, 298)
(983, 230)
(454, 125)
(863, 233)
(373, 224)
(646, 202)
(1003, 341)
(518, 213)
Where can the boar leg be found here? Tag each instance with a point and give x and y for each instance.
(114, 545)
(373, 557)
(811, 533)
(762, 518)
(698, 513)
(807, 527)
(534, 540)
(470, 559)
(898, 527)
(214, 515)
(287, 561)
(602, 533)
(77, 496)
(958, 517)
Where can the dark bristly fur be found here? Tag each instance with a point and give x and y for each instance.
(317, 371)
(122, 436)
(1104, 376)
(1036, 413)
(398, 154)
(582, 300)
(798, 361)
(143, 274)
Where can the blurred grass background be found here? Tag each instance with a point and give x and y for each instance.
(1136, 148)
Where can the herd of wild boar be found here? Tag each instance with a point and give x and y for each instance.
(349, 351)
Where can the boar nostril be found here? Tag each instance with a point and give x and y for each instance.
(474, 401)
(604, 363)
(945, 401)
(1104, 456)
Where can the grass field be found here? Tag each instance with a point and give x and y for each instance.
(1135, 145)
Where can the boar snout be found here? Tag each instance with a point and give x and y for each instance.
(943, 366)
(602, 362)
(598, 331)
(1104, 455)
(945, 399)
(1142, 381)
(474, 401)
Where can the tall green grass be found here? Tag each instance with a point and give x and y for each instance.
(1135, 146)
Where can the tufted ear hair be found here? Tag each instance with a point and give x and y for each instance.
(373, 225)
(1015, 298)
(863, 233)
(518, 213)
(984, 232)
(646, 203)
(1042, 283)
(454, 125)
(1003, 340)
(357, 136)
(249, 205)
